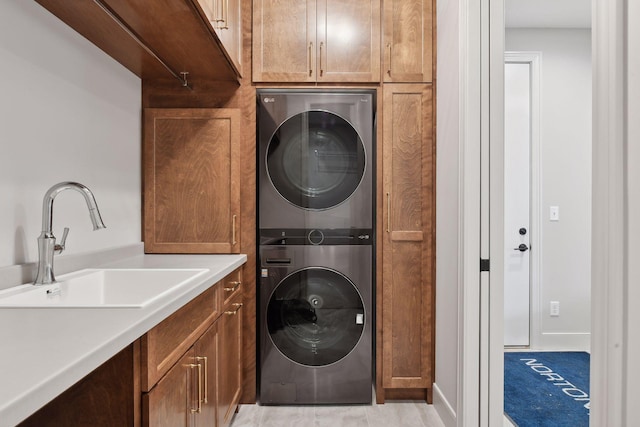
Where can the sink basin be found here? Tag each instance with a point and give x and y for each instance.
(100, 288)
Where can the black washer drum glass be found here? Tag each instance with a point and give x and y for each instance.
(315, 316)
(316, 160)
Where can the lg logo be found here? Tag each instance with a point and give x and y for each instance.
(268, 100)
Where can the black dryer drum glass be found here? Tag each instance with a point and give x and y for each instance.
(315, 316)
(316, 160)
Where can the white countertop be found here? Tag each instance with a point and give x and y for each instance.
(43, 351)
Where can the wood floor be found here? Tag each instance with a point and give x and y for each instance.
(391, 414)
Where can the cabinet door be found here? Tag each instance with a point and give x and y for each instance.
(231, 31)
(229, 362)
(192, 180)
(173, 401)
(225, 18)
(348, 34)
(407, 40)
(408, 215)
(206, 352)
(284, 41)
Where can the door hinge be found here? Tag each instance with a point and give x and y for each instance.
(484, 264)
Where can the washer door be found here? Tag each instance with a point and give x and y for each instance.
(315, 160)
(315, 316)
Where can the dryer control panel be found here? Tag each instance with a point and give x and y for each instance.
(316, 236)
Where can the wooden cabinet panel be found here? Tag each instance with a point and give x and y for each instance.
(225, 17)
(231, 288)
(408, 215)
(108, 396)
(191, 180)
(348, 39)
(171, 403)
(323, 40)
(284, 41)
(230, 362)
(163, 345)
(154, 40)
(407, 40)
(207, 351)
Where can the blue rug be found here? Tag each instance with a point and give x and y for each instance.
(547, 389)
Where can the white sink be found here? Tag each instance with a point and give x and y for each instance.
(100, 288)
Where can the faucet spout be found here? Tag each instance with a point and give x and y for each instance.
(50, 195)
(47, 241)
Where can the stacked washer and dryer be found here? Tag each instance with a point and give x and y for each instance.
(316, 240)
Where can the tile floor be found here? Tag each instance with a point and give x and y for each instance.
(391, 414)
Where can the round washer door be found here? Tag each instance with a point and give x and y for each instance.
(316, 160)
(315, 316)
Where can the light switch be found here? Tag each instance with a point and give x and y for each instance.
(554, 213)
(554, 308)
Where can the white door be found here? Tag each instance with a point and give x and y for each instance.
(517, 197)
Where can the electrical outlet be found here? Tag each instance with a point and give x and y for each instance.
(554, 308)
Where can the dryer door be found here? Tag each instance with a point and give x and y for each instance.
(315, 160)
(315, 316)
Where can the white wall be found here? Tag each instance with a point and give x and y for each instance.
(447, 210)
(565, 170)
(67, 112)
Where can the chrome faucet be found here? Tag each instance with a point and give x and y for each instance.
(47, 246)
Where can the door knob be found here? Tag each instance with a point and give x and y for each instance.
(522, 248)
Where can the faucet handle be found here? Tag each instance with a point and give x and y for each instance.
(60, 246)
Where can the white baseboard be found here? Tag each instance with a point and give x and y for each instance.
(563, 341)
(444, 409)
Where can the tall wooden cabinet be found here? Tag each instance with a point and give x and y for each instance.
(316, 41)
(408, 217)
(191, 180)
(407, 41)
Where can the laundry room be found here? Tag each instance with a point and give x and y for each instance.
(281, 156)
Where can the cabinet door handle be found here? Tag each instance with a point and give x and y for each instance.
(206, 379)
(233, 230)
(234, 287)
(310, 59)
(321, 70)
(225, 15)
(388, 212)
(389, 67)
(216, 8)
(237, 305)
(199, 366)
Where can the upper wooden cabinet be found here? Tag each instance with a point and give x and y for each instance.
(225, 16)
(316, 41)
(191, 180)
(155, 40)
(407, 40)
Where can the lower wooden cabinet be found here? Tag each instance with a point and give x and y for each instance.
(187, 394)
(408, 215)
(108, 396)
(186, 371)
(171, 400)
(203, 387)
(230, 362)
